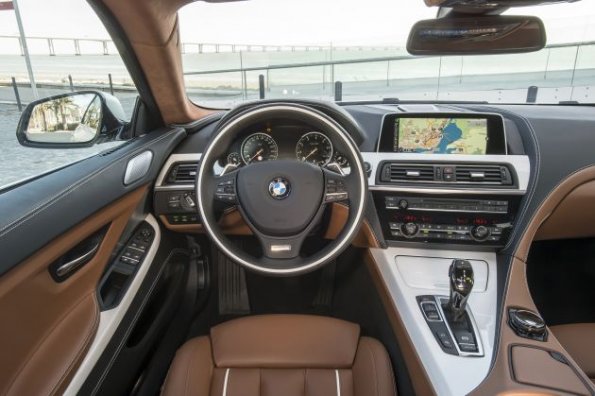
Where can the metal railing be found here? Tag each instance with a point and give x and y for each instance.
(187, 47)
(337, 83)
(329, 81)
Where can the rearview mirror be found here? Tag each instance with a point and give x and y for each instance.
(78, 119)
(481, 34)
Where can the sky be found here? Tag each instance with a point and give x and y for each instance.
(286, 22)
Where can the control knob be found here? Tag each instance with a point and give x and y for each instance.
(409, 230)
(480, 233)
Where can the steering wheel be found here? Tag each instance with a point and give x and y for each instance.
(282, 200)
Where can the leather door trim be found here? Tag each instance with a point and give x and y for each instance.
(48, 326)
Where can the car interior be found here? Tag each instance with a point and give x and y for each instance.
(304, 246)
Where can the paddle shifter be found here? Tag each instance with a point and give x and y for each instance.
(461, 284)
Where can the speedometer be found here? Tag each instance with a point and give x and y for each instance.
(259, 147)
(314, 147)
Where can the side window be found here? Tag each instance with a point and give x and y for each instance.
(69, 51)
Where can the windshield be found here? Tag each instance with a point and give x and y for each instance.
(354, 50)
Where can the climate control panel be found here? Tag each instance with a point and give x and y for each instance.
(453, 220)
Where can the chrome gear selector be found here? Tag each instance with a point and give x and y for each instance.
(461, 283)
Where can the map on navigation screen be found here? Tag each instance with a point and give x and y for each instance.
(441, 135)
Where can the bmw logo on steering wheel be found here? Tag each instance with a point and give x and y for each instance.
(279, 188)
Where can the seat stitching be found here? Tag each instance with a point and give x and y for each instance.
(192, 357)
(305, 375)
(374, 369)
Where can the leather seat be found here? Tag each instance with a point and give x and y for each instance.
(281, 355)
(579, 340)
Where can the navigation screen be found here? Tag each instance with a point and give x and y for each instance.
(441, 135)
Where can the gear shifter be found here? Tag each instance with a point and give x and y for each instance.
(461, 284)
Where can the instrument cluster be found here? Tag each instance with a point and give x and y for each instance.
(271, 142)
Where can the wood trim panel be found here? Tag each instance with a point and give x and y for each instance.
(48, 326)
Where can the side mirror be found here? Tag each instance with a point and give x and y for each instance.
(476, 35)
(73, 120)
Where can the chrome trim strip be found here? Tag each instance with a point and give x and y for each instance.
(110, 320)
(172, 159)
(338, 381)
(520, 164)
(358, 215)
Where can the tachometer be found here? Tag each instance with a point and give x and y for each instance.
(259, 147)
(314, 147)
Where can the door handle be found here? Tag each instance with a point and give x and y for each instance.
(71, 266)
(77, 257)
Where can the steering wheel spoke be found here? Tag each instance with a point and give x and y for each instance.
(225, 188)
(281, 248)
(336, 188)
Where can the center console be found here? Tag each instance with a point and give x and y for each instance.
(446, 178)
(455, 219)
(447, 191)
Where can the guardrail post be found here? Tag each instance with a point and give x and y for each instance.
(388, 73)
(244, 85)
(532, 94)
(70, 83)
(111, 84)
(261, 86)
(105, 48)
(51, 47)
(16, 94)
(77, 47)
(338, 91)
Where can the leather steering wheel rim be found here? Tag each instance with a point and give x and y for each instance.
(357, 187)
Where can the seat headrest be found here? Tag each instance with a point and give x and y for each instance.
(285, 341)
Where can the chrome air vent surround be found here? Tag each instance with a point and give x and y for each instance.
(182, 173)
(438, 173)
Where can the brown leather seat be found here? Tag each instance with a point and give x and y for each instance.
(579, 340)
(282, 355)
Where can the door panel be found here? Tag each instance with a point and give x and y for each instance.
(47, 326)
(44, 208)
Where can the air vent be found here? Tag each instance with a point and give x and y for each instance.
(446, 174)
(483, 174)
(182, 173)
(407, 172)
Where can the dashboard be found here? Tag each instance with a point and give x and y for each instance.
(437, 175)
(281, 139)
